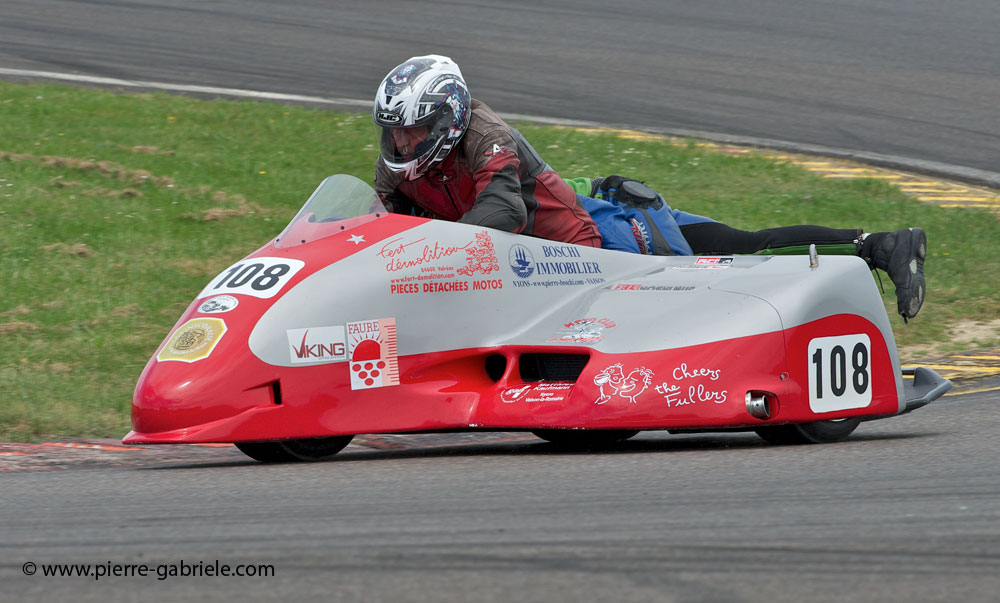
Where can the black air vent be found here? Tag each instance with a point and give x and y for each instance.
(551, 367)
(496, 366)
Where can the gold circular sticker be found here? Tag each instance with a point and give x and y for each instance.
(194, 340)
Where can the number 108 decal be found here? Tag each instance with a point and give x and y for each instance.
(259, 277)
(840, 372)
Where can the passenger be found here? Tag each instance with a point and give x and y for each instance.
(447, 155)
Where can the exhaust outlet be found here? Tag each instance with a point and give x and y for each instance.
(760, 404)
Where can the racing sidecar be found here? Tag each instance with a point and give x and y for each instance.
(354, 320)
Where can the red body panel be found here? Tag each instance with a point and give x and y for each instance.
(688, 388)
(228, 394)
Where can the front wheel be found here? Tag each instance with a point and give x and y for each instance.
(817, 432)
(584, 438)
(290, 451)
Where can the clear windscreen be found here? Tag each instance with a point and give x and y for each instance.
(338, 198)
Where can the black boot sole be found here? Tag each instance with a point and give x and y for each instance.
(908, 271)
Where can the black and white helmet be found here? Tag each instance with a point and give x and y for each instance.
(421, 111)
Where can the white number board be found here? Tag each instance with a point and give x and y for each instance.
(259, 277)
(840, 372)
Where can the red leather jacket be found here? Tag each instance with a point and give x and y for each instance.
(493, 178)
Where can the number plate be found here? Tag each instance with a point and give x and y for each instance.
(840, 373)
(259, 277)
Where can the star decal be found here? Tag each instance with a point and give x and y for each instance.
(357, 239)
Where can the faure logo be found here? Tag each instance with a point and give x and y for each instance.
(373, 349)
(521, 261)
(388, 117)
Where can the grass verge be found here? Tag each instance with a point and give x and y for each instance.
(115, 209)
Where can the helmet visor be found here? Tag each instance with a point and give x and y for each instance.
(403, 145)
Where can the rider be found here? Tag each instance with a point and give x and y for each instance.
(445, 154)
(456, 159)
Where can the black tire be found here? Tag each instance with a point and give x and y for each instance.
(293, 451)
(584, 438)
(817, 432)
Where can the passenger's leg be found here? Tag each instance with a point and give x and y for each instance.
(900, 254)
(715, 237)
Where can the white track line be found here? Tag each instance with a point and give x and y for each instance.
(241, 93)
(110, 81)
(981, 177)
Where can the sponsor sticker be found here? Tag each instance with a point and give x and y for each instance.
(566, 262)
(193, 340)
(406, 255)
(522, 263)
(218, 304)
(372, 352)
(423, 266)
(537, 392)
(584, 330)
(317, 345)
(707, 263)
(481, 256)
(636, 287)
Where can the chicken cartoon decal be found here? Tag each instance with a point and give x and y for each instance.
(629, 386)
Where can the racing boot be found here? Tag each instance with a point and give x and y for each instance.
(596, 186)
(901, 255)
(627, 191)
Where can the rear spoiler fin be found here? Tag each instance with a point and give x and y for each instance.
(924, 387)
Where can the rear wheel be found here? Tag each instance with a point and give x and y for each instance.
(817, 432)
(290, 451)
(584, 438)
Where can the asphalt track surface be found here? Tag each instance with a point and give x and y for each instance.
(907, 509)
(885, 81)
